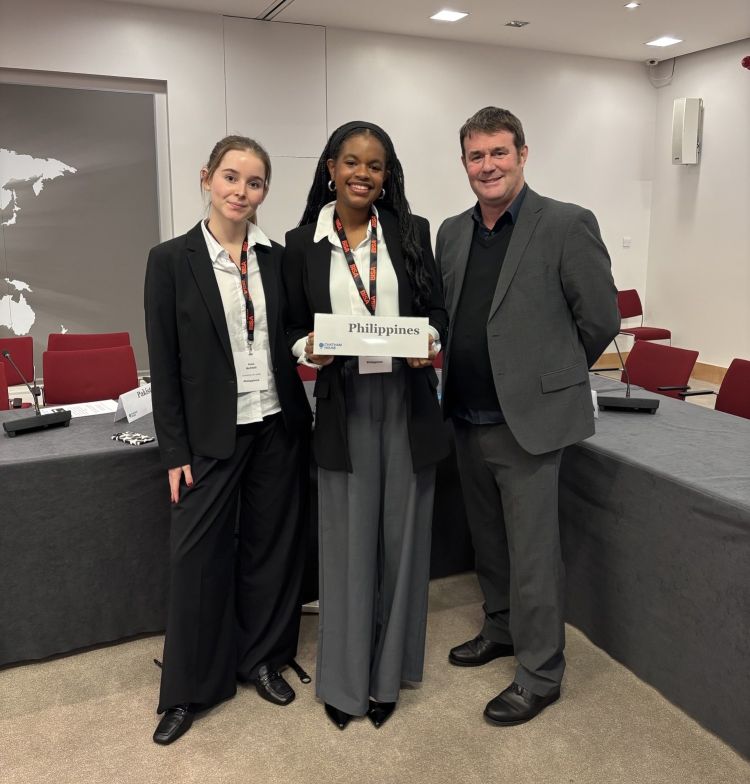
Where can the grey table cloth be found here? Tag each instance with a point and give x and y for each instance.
(655, 520)
(84, 537)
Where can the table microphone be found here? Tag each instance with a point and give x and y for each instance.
(39, 421)
(627, 403)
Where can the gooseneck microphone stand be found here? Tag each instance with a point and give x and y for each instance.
(39, 421)
(647, 405)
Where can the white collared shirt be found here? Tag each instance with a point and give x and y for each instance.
(345, 298)
(251, 406)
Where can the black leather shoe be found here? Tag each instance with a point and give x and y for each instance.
(516, 705)
(272, 687)
(174, 724)
(338, 717)
(379, 712)
(478, 651)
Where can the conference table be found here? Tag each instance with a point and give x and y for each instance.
(655, 522)
(84, 537)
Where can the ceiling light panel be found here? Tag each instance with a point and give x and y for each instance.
(448, 16)
(665, 40)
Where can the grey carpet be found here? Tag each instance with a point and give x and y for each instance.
(89, 717)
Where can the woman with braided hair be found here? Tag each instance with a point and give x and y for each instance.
(378, 435)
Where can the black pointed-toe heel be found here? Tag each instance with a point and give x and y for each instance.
(379, 712)
(338, 717)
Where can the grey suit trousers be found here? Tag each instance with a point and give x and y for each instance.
(375, 535)
(511, 499)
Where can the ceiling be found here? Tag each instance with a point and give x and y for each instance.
(602, 28)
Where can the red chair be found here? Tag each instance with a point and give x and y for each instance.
(68, 341)
(87, 375)
(4, 401)
(629, 304)
(22, 351)
(733, 396)
(734, 392)
(660, 368)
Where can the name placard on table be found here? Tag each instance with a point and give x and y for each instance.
(134, 404)
(362, 336)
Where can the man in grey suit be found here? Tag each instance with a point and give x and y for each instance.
(532, 305)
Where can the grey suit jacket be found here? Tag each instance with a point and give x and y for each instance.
(554, 311)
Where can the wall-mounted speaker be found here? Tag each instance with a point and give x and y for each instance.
(687, 127)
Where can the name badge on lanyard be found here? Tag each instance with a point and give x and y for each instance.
(375, 365)
(252, 370)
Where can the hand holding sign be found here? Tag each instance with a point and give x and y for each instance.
(317, 359)
(415, 362)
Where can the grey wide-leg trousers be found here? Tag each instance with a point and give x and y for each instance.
(375, 534)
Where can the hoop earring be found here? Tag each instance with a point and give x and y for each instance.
(331, 186)
(382, 194)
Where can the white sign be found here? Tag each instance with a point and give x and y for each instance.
(382, 336)
(134, 404)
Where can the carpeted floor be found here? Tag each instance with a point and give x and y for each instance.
(89, 718)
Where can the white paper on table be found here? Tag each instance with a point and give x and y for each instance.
(85, 409)
(371, 336)
(596, 404)
(134, 404)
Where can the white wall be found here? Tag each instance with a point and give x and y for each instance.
(589, 124)
(280, 101)
(699, 255)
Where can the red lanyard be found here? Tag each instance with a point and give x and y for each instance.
(249, 308)
(368, 299)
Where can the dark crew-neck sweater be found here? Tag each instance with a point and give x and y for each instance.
(470, 388)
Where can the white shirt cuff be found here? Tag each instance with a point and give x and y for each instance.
(436, 338)
(298, 349)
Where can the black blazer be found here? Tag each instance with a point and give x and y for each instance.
(306, 271)
(194, 382)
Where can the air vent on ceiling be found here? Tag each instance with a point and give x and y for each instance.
(274, 10)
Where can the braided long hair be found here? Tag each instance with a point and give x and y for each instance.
(395, 201)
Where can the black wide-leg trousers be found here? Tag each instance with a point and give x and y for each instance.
(234, 602)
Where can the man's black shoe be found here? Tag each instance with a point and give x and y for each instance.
(174, 723)
(516, 705)
(478, 651)
(272, 687)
